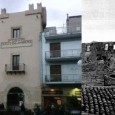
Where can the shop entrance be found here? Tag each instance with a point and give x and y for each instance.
(14, 96)
(49, 100)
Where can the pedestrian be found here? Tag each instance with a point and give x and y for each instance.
(22, 108)
(37, 109)
(2, 109)
(2, 106)
(53, 109)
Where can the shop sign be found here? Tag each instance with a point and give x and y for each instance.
(52, 92)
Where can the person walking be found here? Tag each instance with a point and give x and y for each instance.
(37, 109)
(22, 108)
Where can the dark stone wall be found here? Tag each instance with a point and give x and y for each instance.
(97, 62)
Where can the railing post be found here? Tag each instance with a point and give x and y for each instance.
(5, 68)
(24, 66)
(45, 55)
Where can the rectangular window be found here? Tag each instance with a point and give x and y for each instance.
(16, 33)
(15, 62)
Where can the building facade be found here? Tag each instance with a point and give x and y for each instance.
(19, 54)
(98, 78)
(98, 63)
(61, 63)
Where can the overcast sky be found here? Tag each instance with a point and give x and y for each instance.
(98, 20)
(56, 9)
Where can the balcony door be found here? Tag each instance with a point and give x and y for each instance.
(55, 72)
(55, 50)
(15, 62)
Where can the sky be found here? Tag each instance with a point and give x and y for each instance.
(98, 20)
(56, 9)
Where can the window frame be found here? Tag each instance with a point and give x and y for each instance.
(16, 30)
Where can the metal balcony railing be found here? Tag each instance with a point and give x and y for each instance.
(63, 53)
(9, 68)
(62, 30)
(64, 78)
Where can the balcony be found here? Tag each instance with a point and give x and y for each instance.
(9, 68)
(63, 32)
(63, 55)
(63, 78)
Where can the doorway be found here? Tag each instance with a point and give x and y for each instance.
(55, 72)
(13, 97)
(15, 62)
(55, 50)
(49, 100)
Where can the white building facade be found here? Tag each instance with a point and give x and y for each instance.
(19, 53)
(61, 63)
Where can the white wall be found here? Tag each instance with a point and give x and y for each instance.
(30, 81)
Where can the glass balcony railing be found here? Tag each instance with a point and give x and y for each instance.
(62, 30)
(63, 54)
(63, 78)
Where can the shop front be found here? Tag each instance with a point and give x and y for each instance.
(67, 97)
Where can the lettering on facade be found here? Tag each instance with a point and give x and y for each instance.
(19, 42)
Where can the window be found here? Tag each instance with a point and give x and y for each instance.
(15, 62)
(114, 46)
(88, 48)
(16, 33)
(106, 46)
(55, 72)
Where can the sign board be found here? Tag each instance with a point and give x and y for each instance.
(18, 42)
(52, 92)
